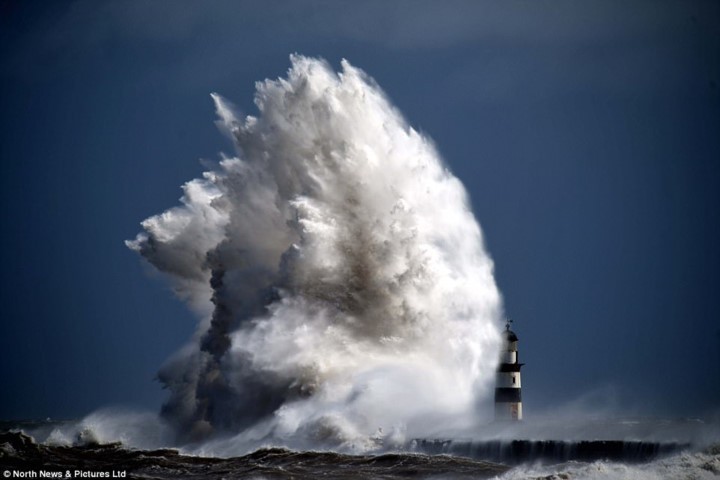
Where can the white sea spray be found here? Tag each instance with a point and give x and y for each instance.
(343, 287)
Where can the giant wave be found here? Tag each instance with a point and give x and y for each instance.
(339, 274)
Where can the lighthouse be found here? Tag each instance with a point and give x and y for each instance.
(508, 399)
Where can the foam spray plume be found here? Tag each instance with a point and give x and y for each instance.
(338, 271)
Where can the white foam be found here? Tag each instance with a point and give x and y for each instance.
(350, 286)
(686, 465)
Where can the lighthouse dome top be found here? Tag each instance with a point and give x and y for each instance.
(509, 334)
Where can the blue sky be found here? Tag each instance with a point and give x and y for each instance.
(587, 134)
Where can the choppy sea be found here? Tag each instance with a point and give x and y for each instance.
(691, 454)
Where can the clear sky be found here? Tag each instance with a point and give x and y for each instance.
(587, 134)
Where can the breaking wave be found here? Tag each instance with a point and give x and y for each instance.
(344, 292)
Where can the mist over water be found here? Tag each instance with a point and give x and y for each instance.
(339, 275)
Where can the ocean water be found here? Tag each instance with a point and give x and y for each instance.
(670, 449)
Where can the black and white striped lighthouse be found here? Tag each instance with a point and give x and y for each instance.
(508, 399)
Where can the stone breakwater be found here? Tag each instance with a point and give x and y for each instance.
(556, 451)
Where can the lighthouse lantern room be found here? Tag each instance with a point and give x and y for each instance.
(508, 398)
